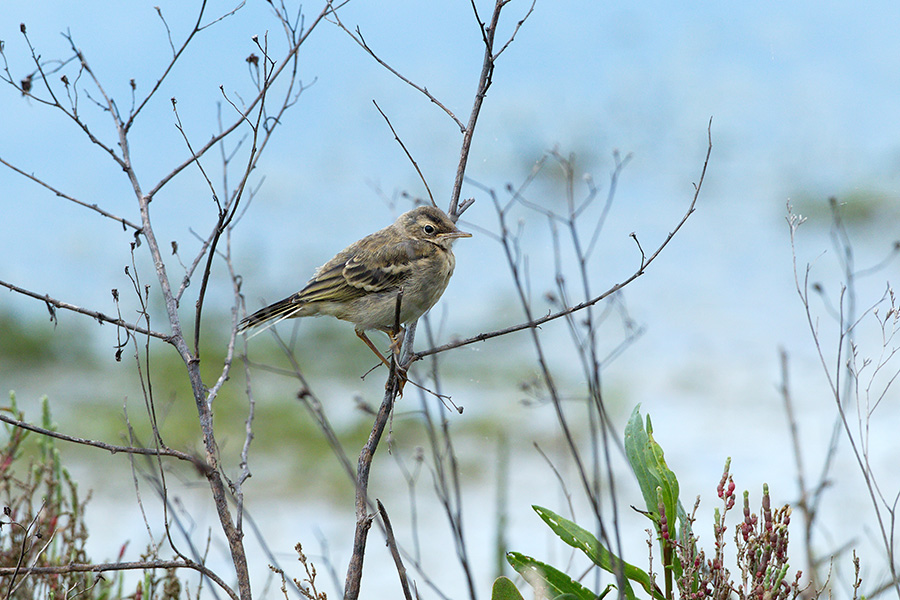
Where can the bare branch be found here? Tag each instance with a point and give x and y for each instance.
(244, 113)
(807, 509)
(841, 391)
(125, 222)
(363, 520)
(395, 553)
(613, 185)
(102, 318)
(392, 389)
(123, 566)
(515, 31)
(73, 113)
(168, 31)
(445, 465)
(176, 54)
(224, 16)
(484, 82)
(111, 448)
(408, 155)
(358, 38)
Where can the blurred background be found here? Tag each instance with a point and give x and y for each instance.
(803, 101)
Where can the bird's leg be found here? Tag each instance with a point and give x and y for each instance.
(397, 342)
(362, 335)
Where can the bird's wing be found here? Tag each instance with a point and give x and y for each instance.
(362, 273)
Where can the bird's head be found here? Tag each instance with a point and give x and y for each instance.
(430, 224)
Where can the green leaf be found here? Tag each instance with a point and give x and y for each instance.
(656, 480)
(505, 589)
(584, 540)
(557, 583)
(649, 465)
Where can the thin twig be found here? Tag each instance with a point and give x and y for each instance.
(111, 448)
(176, 54)
(408, 155)
(446, 473)
(358, 38)
(515, 31)
(125, 222)
(395, 553)
(845, 345)
(808, 510)
(99, 316)
(244, 113)
(484, 82)
(123, 566)
(24, 549)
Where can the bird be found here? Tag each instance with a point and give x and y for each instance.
(412, 257)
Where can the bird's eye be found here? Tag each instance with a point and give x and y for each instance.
(429, 229)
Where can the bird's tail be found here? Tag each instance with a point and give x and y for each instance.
(270, 315)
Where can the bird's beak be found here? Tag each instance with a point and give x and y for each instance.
(455, 234)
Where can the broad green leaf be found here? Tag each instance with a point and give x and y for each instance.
(584, 540)
(655, 478)
(557, 583)
(649, 465)
(505, 589)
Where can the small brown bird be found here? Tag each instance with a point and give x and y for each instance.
(361, 283)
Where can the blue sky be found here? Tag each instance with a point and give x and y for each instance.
(803, 98)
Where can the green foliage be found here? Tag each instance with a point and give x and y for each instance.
(549, 581)
(648, 462)
(43, 524)
(583, 540)
(659, 486)
(43, 518)
(761, 542)
(505, 589)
